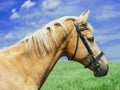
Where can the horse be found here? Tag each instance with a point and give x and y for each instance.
(27, 64)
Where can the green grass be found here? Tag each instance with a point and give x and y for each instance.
(73, 76)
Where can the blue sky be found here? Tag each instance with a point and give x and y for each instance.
(21, 17)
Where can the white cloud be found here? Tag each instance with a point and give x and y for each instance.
(63, 11)
(106, 12)
(14, 15)
(27, 4)
(9, 36)
(107, 33)
(107, 37)
(113, 52)
(33, 24)
(51, 4)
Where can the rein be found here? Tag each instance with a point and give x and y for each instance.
(94, 60)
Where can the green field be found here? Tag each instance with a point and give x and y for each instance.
(73, 76)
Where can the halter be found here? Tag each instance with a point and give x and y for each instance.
(94, 60)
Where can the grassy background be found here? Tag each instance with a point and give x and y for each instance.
(73, 76)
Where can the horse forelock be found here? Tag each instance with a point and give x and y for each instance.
(90, 27)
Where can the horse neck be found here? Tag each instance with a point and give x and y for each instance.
(37, 67)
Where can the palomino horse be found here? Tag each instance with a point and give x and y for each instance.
(26, 65)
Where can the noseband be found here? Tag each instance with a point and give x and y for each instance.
(94, 60)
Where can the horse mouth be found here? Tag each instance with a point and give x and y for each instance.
(101, 71)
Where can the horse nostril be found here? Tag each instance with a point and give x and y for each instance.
(96, 66)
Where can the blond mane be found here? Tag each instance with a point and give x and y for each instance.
(40, 37)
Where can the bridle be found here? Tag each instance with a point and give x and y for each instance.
(93, 60)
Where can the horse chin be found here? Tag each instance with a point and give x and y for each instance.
(102, 70)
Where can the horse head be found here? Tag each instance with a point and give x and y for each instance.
(83, 48)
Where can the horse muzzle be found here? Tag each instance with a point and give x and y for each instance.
(101, 70)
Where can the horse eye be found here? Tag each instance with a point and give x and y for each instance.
(91, 39)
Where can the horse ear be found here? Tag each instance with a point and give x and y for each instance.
(81, 15)
(84, 17)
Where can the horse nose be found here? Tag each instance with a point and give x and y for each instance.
(105, 69)
(102, 70)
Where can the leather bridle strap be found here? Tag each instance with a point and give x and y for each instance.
(78, 34)
(72, 58)
(96, 59)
